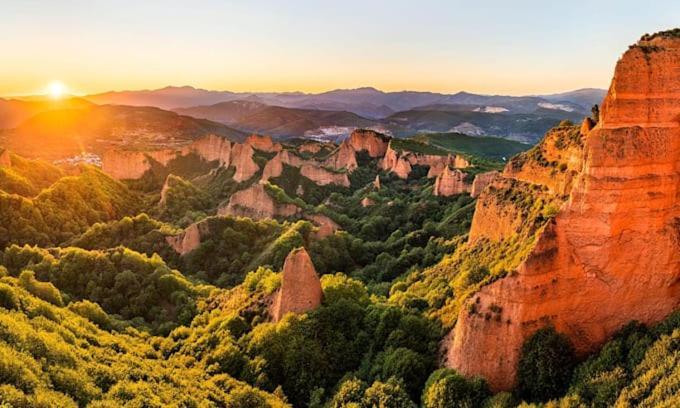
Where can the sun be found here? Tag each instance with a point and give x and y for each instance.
(56, 89)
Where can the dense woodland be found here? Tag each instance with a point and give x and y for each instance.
(96, 308)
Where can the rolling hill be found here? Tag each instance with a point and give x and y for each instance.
(63, 133)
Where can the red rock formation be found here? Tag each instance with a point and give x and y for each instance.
(256, 203)
(164, 190)
(189, 239)
(263, 143)
(394, 161)
(450, 182)
(481, 181)
(612, 254)
(326, 225)
(586, 126)
(554, 163)
(213, 148)
(274, 167)
(323, 177)
(310, 147)
(300, 286)
(367, 202)
(344, 157)
(5, 160)
(373, 142)
(124, 164)
(376, 182)
(242, 160)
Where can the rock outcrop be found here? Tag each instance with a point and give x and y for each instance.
(324, 177)
(5, 159)
(300, 289)
(450, 182)
(189, 239)
(371, 141)
(126, 164)
(255, 202)
(367, 202)
(554, 163)
(376, 182)
(401, 162)
(242, 160)
(326, 225)
(311, 147)
(612, 253)
(344, 157)
(481, 181)
(263, 143)
(213, 148)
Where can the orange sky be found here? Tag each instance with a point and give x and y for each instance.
(446, 46)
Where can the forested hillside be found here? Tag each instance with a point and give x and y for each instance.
(158, 291)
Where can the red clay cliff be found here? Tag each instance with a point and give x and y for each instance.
(612, 253)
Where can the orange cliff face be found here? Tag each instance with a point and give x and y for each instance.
(190, 238)
(372, 142)
(300, 289)
(124, 164)
(612, 253)
(481, 181)
(256, 203)
(130, 164)
(263, 143)
(450, 182)
(323, 177)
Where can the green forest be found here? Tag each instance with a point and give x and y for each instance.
(98, 309)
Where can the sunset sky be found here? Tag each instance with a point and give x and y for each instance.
(507, 47)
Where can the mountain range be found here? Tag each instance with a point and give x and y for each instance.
(181, 112)
(367, 102)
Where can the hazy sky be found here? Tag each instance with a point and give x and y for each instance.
(507, 47)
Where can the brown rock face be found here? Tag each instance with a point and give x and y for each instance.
(450, 182)
(612, 254)
(5, 160)
(213, 148)
(326, 225)
(554, 163)
(164, 190)
(343, 158)
(189, 239)
(395, 162)
(323, 177)
(373, 142)
(481, 181)
(263, 143)
(123, 164)
(367, 202)
(242, 160)
(310, 147)
(300, 286)
(256, 203)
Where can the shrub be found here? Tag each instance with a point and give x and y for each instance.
(446, 388)
(545, 365)
(93, 312)
(8, 297)
(44, 290)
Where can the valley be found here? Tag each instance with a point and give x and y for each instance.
(353, 248)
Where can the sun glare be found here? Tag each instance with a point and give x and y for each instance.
(56, 89)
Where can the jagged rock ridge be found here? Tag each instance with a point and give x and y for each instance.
(612, 253)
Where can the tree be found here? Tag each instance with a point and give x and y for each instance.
(545, 365)
(446, 388)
